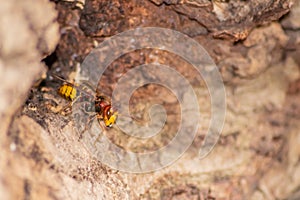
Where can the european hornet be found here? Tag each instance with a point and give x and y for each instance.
(102, 105)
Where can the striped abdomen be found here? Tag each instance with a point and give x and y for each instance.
(68, 92)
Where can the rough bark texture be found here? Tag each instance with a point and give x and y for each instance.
(256, 45)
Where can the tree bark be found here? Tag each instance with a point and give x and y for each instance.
(255, 46)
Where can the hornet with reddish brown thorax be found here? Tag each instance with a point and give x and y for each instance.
(103, 108)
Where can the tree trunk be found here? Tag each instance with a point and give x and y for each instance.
(54, 149)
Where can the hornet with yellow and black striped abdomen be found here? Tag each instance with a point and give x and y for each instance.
(103, 108)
